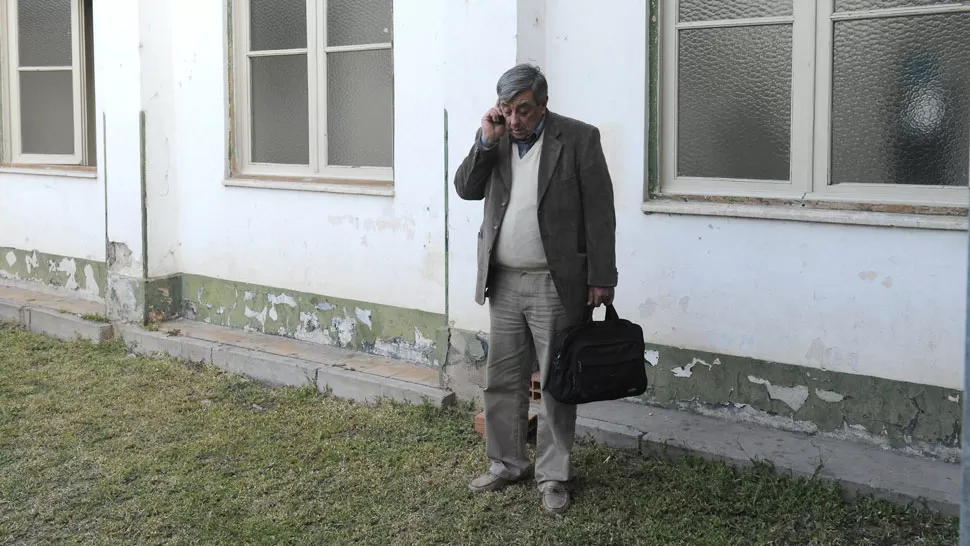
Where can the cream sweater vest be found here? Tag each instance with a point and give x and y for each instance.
(519, 243)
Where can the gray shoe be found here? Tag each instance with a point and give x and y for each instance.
(491, 482)
(556, 497)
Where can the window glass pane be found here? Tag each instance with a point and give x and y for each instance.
(47, 112)
(353, 22)
(856, 5)
(734, 102)
(359, 109)
(900, 106)
(44, 37)
(280, 103)
(277, 24)
(708, 10)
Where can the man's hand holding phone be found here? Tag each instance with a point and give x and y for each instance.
(493, 125)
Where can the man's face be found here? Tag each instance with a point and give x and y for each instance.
(522, 114)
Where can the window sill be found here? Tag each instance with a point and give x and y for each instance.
(379, 188)
(53, 170)
(804, 213)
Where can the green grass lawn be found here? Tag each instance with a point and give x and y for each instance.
(97, 446)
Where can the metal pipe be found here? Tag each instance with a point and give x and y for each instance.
(965, 436)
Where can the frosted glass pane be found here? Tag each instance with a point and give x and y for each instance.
(44, 32)
(360, 108)
(47, 112)
(277, 24)
(853, 5)
(281, 116)
(900, 106)
(714, 10)
(353, 22)
(734, 102)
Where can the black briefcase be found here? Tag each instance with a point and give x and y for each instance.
(598, 361)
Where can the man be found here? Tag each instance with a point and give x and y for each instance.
(546, 255)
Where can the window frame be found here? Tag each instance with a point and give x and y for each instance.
(13, 155)
(241, 164)
(810, 156)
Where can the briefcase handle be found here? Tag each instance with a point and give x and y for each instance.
(611, 313)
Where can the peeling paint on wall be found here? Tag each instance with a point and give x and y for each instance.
(795, 396)
(829, 396)
(419, 351)
(917, 419)
(75, 275)
(121, 261)
(363, 316)
(404, 334)
(282, 299)
(126, 301)
(686, 371)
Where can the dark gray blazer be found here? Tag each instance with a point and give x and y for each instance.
(577, 220)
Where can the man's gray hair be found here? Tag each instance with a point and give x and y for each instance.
(521, 78)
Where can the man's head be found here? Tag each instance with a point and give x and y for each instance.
(522, 96)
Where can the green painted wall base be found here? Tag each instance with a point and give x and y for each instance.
(85, 277)
(163, 298)
(405, 334)
(907, 416)
(918, 419)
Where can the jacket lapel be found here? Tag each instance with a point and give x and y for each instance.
(551, 148)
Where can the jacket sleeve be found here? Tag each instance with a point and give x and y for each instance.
(471, 180)
(599, 214)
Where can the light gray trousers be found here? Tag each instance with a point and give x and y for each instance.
(525, 316)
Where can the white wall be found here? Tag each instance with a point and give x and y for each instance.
(53, 214)
(387, 250)
(118, 68)
(863, 300)
(160, 43)
(481, 45)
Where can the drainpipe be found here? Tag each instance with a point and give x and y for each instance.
(965, 436)
(447, 249)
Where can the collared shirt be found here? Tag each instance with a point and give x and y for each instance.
(523, 145)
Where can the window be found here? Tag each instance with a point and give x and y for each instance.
(313, 93)
(864, 101)
(48, 83)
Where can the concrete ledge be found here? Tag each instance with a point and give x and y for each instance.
(142, 341)
(859, 468)
(364, 387)
(266, 368)
(12, 311)
(65, 326)
(611, 434)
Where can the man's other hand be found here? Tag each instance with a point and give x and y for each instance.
(600, 296)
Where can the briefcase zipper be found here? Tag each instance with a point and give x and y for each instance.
(626, 348)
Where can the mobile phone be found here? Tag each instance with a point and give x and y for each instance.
(499, 119)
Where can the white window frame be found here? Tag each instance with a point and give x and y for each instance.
(13, 154)
(316, 52)
(810, 155)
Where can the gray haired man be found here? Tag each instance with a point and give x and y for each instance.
(546, 255)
